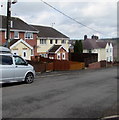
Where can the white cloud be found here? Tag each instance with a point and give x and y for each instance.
(100, 15)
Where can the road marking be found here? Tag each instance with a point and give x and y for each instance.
(114, 116)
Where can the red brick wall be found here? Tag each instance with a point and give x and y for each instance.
(61, 51)
(94, 65)
(97, 65)
(32, 42)
(2, 36)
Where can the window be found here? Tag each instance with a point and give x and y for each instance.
(11, 24)
(110, 49)
(58, 56)
(107, 59)
(15, 52)
(107, 50)
(63, 41)
(28, 35)
(6, 35)
(63, 56)
(19, 61)
(16, 35)
(110, 58)
(44, 55)
(6, 60)
(90, 51)
(56, 41)
(51, 41)
(42, 41)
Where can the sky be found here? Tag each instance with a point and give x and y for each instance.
(97, 17)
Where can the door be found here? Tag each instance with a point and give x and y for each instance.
(21, 68)
(7, 70)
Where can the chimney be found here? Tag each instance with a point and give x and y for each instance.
(94, 37)
(85, 37)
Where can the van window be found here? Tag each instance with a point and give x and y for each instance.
(19, 61)
(6, 60)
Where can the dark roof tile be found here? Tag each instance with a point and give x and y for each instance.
(18, 24)
(49, 32)
(93, 44)
(54, 48)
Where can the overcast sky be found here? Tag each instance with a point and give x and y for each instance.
(100, 15)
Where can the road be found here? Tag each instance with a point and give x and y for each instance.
(71, 94)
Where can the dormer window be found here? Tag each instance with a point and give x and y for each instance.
(28, 35)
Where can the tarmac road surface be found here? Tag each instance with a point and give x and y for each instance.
(67, 94)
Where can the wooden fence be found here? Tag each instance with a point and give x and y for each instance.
(56, 65)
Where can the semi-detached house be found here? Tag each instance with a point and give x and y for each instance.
(22, 31)
(31, 40)
(50, 39)
(103, 49)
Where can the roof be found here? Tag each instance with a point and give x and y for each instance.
(18, 24)
(93, 44)
(54, 48)
(49, 32)
(16, 42)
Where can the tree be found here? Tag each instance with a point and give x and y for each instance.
(78, 47)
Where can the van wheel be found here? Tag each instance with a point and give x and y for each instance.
(29, 78)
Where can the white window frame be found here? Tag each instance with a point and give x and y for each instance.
(63, 41)
(6, 36)
(63, 56)
(56, 42)
(26, 35)
(58, 56)
(43, 41)
(17, 35)
(50, 41)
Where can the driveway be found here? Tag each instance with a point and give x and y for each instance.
(67, 94)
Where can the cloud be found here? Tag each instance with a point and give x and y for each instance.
(100, 15)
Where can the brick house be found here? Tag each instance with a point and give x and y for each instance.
(58, 52)
(48, 37)
(19, 30)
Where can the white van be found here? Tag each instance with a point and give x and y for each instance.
(13, 68)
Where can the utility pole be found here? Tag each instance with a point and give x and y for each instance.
(9, 21)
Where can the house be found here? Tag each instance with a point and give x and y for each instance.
(58, 52)
(21, 48)
(114, 41)
(19, 30)
(48, 37)
(104, 49)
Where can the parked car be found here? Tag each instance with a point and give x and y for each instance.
(14, 68)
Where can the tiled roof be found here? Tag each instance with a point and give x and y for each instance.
(54, 48)
(93, 44)
(18, 24)
(13, 41)
(49, 32)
